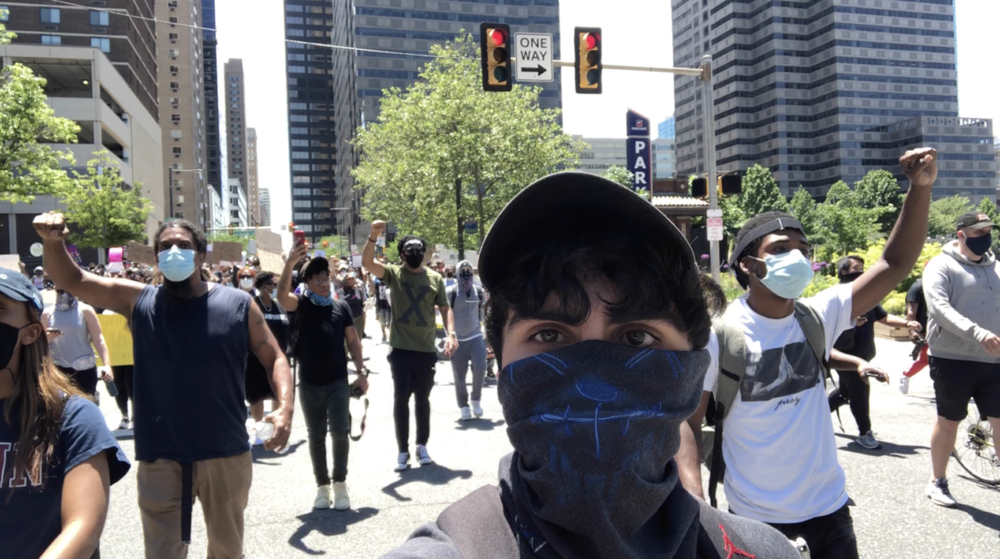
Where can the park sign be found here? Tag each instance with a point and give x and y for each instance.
(534, 57)
(639, 148)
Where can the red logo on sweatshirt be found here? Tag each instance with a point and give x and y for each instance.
(731, 549)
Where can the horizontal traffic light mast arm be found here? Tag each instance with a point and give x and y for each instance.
(681, 71)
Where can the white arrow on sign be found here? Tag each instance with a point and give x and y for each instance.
(533, 56)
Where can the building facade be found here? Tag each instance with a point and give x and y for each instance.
(664, 158)
(128, 42)
(601, 154)
(253, 195)
(236, 122)
(312, 136)
(182, 118)
(814, 91)
(237, 204)
(265, 207)
(83, 85)
(667, 129)
(410, 27)
(210, 60)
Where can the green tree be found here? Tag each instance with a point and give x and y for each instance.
(218, 237)
(337, 245)
(620, 175)
(879, 189)
(803, 207)
(102, 210)
(760, 192)
(444, 152)
(943, 215)
(28, 167)
(847, 226)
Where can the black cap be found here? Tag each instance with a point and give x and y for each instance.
(974, 220)
(13, 284)
(572, 200)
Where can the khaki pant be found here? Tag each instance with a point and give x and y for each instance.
(222, 485)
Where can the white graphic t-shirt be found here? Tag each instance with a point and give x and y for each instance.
(778, 442)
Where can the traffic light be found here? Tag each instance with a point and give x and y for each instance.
(494, 41)
(730, 185)
(699, 187)
(587, 43)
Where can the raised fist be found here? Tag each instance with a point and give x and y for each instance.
(378, 227)
(51, 226)
(920, 166)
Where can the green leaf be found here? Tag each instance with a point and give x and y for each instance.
(101, 209)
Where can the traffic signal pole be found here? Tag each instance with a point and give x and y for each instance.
(704, 74)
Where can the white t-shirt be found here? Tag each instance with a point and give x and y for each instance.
(778, 442)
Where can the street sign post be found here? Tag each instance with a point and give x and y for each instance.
(534, 57)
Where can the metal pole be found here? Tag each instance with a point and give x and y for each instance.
(709, 134)
(170, 189)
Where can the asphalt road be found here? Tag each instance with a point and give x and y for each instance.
(893, 518)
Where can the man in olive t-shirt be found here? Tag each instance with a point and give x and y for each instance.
(415, 292)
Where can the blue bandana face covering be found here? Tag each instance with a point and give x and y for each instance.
(319, 300)
(595, 427)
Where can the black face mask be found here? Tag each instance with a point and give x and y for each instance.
(465, 275)
(8, 342)
(979, 245)
(413, 260)
(848, 278)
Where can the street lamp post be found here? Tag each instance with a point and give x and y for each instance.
(170, 181)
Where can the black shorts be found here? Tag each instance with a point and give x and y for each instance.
(956, 382)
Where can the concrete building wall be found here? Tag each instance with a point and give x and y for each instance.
(664, 158)
(237, 204)
(602, 154)
(234, 92)
(265, 207)
(182, 96)
(253, 194)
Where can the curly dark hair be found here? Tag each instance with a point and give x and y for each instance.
(753, 248)
(262, 279)
(402, 242)
(317, 265)
(655, 282)
(200, 242)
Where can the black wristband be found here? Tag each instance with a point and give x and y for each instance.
(371, 240)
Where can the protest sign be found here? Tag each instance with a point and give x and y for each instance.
(271, 262)
(10, 262)
(225, 252)
(141, 253)
(117, 337)
(268, 241)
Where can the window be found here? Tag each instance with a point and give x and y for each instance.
(179, 215)
(297, 106)
(176, 134)
(174, 70)
(172, 20)
(172, 4)
(175, 118)
(174, 53)
(300, 155)
(98, 17)
(4, 13)
(173, 37)
(175, 102)
(101, 43)
(178, 151)
(296, 69)
(235, 214)
(50, 15)
(175, 85)
(180, 198)
(51, 40)
(300, 215)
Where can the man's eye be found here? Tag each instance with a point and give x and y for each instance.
(638, 338)
(549, 337)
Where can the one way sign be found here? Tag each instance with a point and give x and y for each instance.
(533, 52)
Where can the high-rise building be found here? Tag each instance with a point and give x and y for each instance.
(236, 122)
(311, 136)
(253, 197)
(237, 204)
(210, 59)
(664, 158)
(817, 93)
(601, 154)
(667, 129)
(410, 27)
(265, 207)
(82, 84)
(182, 115)
(109, 26)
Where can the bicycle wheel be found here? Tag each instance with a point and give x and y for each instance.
(974, 448)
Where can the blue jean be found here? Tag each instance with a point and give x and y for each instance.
(322, 406)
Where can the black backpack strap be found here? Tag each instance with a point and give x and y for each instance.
(812, 326)
(478, 527)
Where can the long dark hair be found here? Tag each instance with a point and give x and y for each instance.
(40, 394)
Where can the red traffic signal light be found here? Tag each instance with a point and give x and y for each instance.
(587, 41)
(495, 53)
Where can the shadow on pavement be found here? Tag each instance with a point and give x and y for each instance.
(123, 434)
(328, 523)
(258, 453)
(479, 424)
(432, 474)
(983, 518)
(888, 449)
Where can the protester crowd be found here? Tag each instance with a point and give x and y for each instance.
(623, 372)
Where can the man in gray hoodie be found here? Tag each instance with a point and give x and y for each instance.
(962, 289)
(467, 300)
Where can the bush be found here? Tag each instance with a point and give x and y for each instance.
(895, 303)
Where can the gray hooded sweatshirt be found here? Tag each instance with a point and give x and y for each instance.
(963, 304)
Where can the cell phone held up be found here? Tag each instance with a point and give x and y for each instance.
(299, 236)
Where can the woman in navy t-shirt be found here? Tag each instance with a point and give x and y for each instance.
(57, 456)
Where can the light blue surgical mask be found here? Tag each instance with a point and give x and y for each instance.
(274, 294)
(788, 274)
(177, 264)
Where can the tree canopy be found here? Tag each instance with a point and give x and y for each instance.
(103, 210)
(444, 153)
(760, 192)
(943, 215)
(619, 174)
(879, 189)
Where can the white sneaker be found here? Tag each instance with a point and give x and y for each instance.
(938, 493)
(466, 413)
(904, 385)
(340, 499)
(131, 425)
(868, 441)
(477, 410)
(124, 423)
(257, 441)
(403, 463)
(322, 500)
(422, 457)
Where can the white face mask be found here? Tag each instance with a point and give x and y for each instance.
(246, 283)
